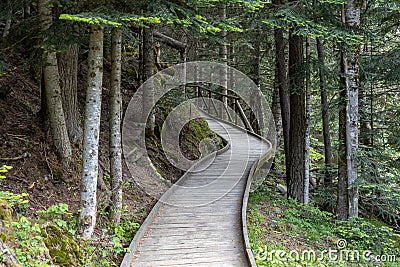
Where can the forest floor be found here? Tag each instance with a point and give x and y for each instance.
(38, 174)
(284, 232)
(40, 190)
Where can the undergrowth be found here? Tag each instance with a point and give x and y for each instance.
(286, 233)
(52, 238)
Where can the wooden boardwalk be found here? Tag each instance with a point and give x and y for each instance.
(202, 225)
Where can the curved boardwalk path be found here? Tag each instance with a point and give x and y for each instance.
(191, 232)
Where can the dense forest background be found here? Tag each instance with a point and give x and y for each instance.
(329, 69)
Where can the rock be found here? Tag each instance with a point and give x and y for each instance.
(274, 224)
(7, 258)
(63, 249)
(5, 221)
(282, 189)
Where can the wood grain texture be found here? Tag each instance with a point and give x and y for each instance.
(202, 224)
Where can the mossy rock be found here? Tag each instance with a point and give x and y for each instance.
(5, 221)
(63, 249)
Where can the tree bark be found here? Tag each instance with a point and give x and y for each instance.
(68, 69)
(223, 54)
(350, 68)
(87, 217)
(148, 71)
(53, 93)
(342, 207)
(325, 116)
(297, 119)
(256, 77)
(281, 78)
(308, 124)
(115, 126)
(277, 114)
(7, 26)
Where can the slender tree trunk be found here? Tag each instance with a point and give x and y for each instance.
(7, 26)
(365, 118)
(325, 116)
(27, 8)
(297, 119)
(68, 69)
(308, 124)
(141, 52)
(115, 126)
(183, 55)
(88, 205)
(148, 71)
(53, 93)
(281, 78)
(277, 113)
(342, 207)
(350, 65)
(256, 77)
(223, 53)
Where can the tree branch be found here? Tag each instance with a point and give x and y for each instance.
(165, 39)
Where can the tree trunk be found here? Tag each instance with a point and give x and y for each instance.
(256, 77)
(297, 119)
(350, 68)
(223, 54)
(281, 78)
(277, 113)
(53, 93)
(87, 217)
(183, 55)
(115, 126)
(308, 124)
(325, 116)
(148, 71)
(68, 69)
(7, 25)
(27, 9)
(342, 207)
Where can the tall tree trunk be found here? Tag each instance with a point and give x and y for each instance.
(183, 55)
(115, 126)
(281, 78)
(7, 26)
(350, 68)
(342, 206)
(68, 69)
(223, 54)
(365, 118)
(325, 116)
(88, 205)
(277, 113)
(256, 77)
(148, 71)
(297, 119)
(53, 93)
(27, 9)
(308, 124)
